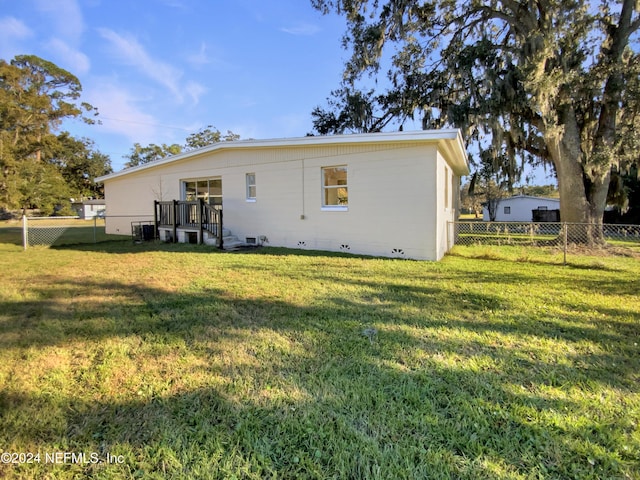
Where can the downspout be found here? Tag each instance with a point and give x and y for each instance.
(302, 215)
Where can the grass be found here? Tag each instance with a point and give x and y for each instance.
(185, 362)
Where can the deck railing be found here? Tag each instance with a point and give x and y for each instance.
(192, 215)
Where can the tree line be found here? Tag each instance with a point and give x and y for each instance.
(42, 168)
(139, 155)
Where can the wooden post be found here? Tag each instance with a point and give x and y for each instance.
(175, 221)
(200, 220)
(221, 246)
(156, 220)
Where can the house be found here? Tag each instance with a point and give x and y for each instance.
(520, 209)
(384, 194)
(88, 209)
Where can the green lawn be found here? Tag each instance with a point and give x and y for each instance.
(180, 361)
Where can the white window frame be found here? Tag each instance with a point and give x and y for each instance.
(446, 188)
(333, 208)
(249, 185)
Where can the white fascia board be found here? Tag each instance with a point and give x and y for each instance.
(455, 153)
(449, 141)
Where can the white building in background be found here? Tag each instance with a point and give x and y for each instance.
(520, 208)
(89, 209)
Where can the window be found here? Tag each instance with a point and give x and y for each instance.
(542, 208)
(335, 193)
(446, 187)
(210, 190)
(251, 187)
(507, 210)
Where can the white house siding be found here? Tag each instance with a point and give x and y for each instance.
(520, 208)
(131, 199)
(447, 199)
(395, 196)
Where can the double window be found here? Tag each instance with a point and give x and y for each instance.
(209, 189)
(335, 190)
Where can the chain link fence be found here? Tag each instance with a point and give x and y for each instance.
(58, 231)
(564, 236)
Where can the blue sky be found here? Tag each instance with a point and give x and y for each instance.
(158, 70)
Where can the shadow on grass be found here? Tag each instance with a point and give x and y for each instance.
(11, 235)
(120, 247)
(389, 424)
(441, 402)
(357, 414)
(64, 310)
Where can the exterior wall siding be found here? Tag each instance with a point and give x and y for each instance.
(395, 197)
(447, 205)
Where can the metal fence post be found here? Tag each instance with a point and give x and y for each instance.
(566, 242)
(25, 232)
(95, 228)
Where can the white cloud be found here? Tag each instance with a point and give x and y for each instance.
(119, 113)
(306, 29)
(195, 91)
(200, 58)
(132, 53)
(11, 27)
(12, 31)
(66, 26)
(75, 61)
(207, 56)
(66, 16)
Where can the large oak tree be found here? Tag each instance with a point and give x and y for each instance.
(540, 80)
(36, 96)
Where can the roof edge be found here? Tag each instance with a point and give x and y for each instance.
(451, 139)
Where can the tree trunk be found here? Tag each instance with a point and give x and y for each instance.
(582, 201)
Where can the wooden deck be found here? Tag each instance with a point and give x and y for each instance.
(193, 216)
